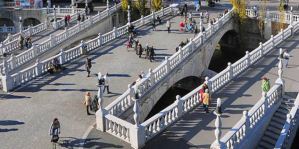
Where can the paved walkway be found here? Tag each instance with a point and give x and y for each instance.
(26, 114)
(196, 129)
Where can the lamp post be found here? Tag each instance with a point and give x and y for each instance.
(20, 21)
(129, 15)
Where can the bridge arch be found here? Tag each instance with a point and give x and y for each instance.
(31, 21)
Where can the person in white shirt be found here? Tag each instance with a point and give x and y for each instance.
(107, 80)
(286, 56)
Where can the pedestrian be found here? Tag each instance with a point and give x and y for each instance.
(136, 46)
(147, 51)
(94, 104)
(139, 78)
(285, 57)
(65, 21)
(21, 41)
(88, 66)
(107, 80)
(154, 25)
(87, 102)
(55, 130)
(78, 18)
(152, 53)
(206, 100)
(68, 19)
(140, 50)
(168, 25)
(265, 84)
(159, 20)
(202, 91)
(83, 18)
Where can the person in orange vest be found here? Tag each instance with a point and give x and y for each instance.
(206, 100)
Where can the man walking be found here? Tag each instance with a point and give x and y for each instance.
(88, 66)
(168, 25)
(286, 56)
(107, 80)
(152, 53)
(87, 102)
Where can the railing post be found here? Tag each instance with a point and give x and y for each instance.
(58, 9)
(180, 53)
(132, 94)
(100, 39)
(192, 44)
(12, 61)
(142, 19)
(162, 11)
(248, 59)
(264, 96)
(83, 48)
(261, 49)
(218, 132)
(115, 32)
(137, 133)
(291, 16)
(66, 32)
(79, 26)
(38, 67)
(100, 116)
(272, 41)
(279, 80)
(230, 70)
(107, 3)
(90, 20)
(282, 34)
(7, 81)
(247, 122)
(46, 23)
(30, 30)
(62, 57)
(151, 77)
(52, 40)
(180, 105)
(129, 15)
(167, 64)
(209, 84)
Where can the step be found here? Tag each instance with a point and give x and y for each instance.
(283, 110)
(265, 145)
(278, 120)
(276, 124)
(274, 129)
(271, 134)
(269, 140)
(280, 115)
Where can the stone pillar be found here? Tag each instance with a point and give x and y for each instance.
(167, 64)
(180, 52)
(66, 32)
(142, 19)
(73, 6)
(46, 23)
(61, 57)
(261, 49)
(100, 116)
(180, 104)
(86, 3)
(272, 41)
(107, 3)
(200, 24)
(282, 33)
(55, 19)
(129, 15)
(12, 61)
(38, 67)
(58, 9)
(151, 77)
(132, 94)
(138, 131)
(291, 16)
(279, 80)
(230, 70)
(52, 40)
(20, 24)
(208, 82)
(115, 32)
(218, 132)
(267, 28)
(100, 39)
(264, 96)
(192, 45)
(247, 121)
(49, 3)
(248, 58)
(30, 30)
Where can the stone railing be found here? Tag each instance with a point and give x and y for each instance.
(153, 77)
(25, 75)
(7, 29)
(245, 126)
(36, 50)
(12, 41)
(289, 129)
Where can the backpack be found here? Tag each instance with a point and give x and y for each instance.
(101, 81)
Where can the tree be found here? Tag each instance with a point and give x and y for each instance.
(156, 4)
(140, 6)
(124, 4)
(261, 18)
(239, 7)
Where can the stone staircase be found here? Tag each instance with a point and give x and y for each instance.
(276, 124)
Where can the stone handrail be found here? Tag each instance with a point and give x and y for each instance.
(40, 68)
(12, 43)
(289, 129)
(47, 45)
(7, 29)
(275, 16)
(118, 127)
(152, 78)
(238, 133)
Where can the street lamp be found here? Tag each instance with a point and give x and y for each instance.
(20, 21)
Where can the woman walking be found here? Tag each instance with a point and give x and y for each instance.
(87, 102)
(55, 131)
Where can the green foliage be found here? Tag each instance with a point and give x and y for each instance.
(124, 4)
(140, 6)
(156, 4)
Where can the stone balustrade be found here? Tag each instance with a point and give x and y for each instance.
(12, 81)
(245, 126)
(7, 29)
(48, 44)
(289, 129)
(12, 41)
